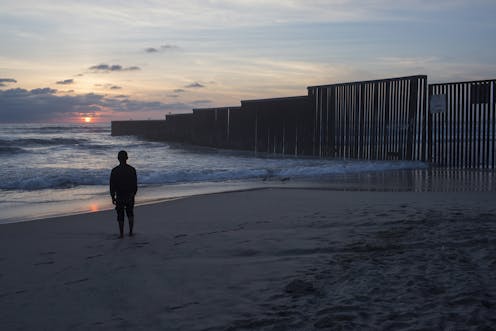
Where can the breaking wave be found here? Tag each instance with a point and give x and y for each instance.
(36, 157)
(55, 178)
(11, 150)
(31, 142)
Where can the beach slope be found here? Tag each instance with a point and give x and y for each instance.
(273, 259)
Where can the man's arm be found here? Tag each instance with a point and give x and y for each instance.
(112, 186)
(135, 182)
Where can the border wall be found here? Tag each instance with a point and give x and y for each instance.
(212, 126)
(281, 125)
(450, 125)
(463, 124)
(372, 120)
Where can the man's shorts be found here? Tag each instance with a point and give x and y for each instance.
(126, 204)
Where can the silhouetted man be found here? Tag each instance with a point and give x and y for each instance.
(123, 188)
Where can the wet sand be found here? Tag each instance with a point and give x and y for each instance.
(270, 259)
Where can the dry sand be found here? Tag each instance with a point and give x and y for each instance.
(273, 259)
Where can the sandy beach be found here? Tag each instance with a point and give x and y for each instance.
(270, 259)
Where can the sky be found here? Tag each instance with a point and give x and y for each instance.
(63, 61)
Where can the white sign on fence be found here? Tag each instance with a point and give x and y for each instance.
(437, 103)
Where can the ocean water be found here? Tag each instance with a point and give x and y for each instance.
(50, 169)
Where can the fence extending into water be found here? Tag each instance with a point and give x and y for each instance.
(450, 125)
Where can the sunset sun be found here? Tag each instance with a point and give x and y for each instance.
(87, 119)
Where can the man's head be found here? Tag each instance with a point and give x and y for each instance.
(122, 156)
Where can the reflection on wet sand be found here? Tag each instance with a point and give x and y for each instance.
(94, 207)
(417, 180)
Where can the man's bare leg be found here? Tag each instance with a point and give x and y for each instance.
(131, 224)
(121, 229)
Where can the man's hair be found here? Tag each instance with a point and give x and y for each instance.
(122, 156)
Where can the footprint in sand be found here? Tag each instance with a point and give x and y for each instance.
(47, 253)
(262, 222)
(124, 267)
(232, 230)
(137, 245)
(95, 246)
(183, 306)
(93, 256)
(77, 281)
(180, 236)
(113, 237)
(44, 262)
(140, 244)
(2, 295)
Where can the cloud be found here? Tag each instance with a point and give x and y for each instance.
(43, 91)
(65, 82)
(112, 68)
(198, 14)
(179, 90)
(194, 85)
(201, 102)
(128, 105)
(43, 104)
(163, 48)
(20, 105)
(6, 80)
(169, 47)
(109, 86)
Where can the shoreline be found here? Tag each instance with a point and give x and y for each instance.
(411, 180)
(101, 201)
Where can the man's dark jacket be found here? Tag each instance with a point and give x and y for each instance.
(123, 182)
